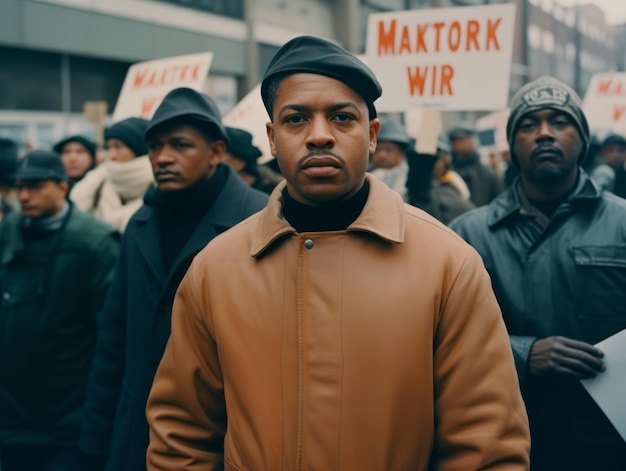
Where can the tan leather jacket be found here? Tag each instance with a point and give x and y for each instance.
(376, 348)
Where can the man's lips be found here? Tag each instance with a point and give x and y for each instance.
(321, 166)
(165, 176)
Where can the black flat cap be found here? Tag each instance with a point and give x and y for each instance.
(87, 143)
(613, 138)
(310, 54)
(240, 145)
(185, 103)
(40, 165)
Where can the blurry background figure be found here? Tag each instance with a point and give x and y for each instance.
(388, 162)
(242, 155)
(610, 173)
(78, 155)
(483, 183)
(56, 264)
(433, 186)
(114, 190)
(593, 154)
(8, 166)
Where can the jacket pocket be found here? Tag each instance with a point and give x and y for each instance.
(600, 290)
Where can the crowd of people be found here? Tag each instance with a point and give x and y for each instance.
(352, 304)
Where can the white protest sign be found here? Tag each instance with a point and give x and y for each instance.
(605, 102)
(147, 83)
(609, 387)
(250, 115)
(451, 59)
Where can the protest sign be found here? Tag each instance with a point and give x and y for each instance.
(451, 59)
(250, 115)
(147, 83)
(605, 102)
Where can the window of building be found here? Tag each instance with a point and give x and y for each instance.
(230, 8)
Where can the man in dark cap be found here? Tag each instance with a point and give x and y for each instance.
(287, 352)
(196, 198)
(610, 174)
(114, 190)
(78, 155)
(483, 183)
(56, 265)
(8, 166)
(242, 156)
(388, 161)
(555, 247)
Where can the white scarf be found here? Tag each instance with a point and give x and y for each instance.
(395, 178)
(130, 179)
(113, 191)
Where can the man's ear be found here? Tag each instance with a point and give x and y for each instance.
(374, 130)
(64, 187)
(218, 150)
(269, 129)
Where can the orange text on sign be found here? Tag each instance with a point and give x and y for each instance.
(151, 77)
(454, 36)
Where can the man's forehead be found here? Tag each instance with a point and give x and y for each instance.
(546, 113)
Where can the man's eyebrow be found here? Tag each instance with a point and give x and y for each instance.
(330, 109)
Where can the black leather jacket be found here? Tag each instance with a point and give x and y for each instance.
(568, 279)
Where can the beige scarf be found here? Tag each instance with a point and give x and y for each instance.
(114, 190)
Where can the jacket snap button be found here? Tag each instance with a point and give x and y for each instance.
(6, 296)
(308, 244)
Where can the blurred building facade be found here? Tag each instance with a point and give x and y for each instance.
(57, 54)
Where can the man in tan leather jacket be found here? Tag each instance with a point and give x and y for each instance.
(338, 328)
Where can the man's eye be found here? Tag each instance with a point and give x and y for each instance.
(154, 146)
(527, 125)
(294, 119)
(560, 123)
(343, 117)
(180, 145)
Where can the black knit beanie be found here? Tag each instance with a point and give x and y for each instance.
(547, 92)
(131, 132)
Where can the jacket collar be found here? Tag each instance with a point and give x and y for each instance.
(225, 212)
(383, 216)
(508, 203)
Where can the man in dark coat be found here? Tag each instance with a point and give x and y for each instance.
(197, 197)
(483, 183)
(8, 166)
(56, 265)
(555, 247)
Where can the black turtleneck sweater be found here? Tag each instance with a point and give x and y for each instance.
(331, 216)
(180, 212)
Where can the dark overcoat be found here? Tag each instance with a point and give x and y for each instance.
(136, 326)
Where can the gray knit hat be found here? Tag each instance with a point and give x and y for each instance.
(547, 92)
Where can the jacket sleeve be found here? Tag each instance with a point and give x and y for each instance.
(521, 345)
(105, 380)
(186, 410)
(480, 418)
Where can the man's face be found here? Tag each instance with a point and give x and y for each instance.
(181, 156)
(118, 151)
(41, 198)
(614, 155)
(322, 136)
(387, 155)
(76, 159)
(547, 146)
(463, 148)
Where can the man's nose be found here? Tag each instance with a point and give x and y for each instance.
(545, 131)
(320, 133)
